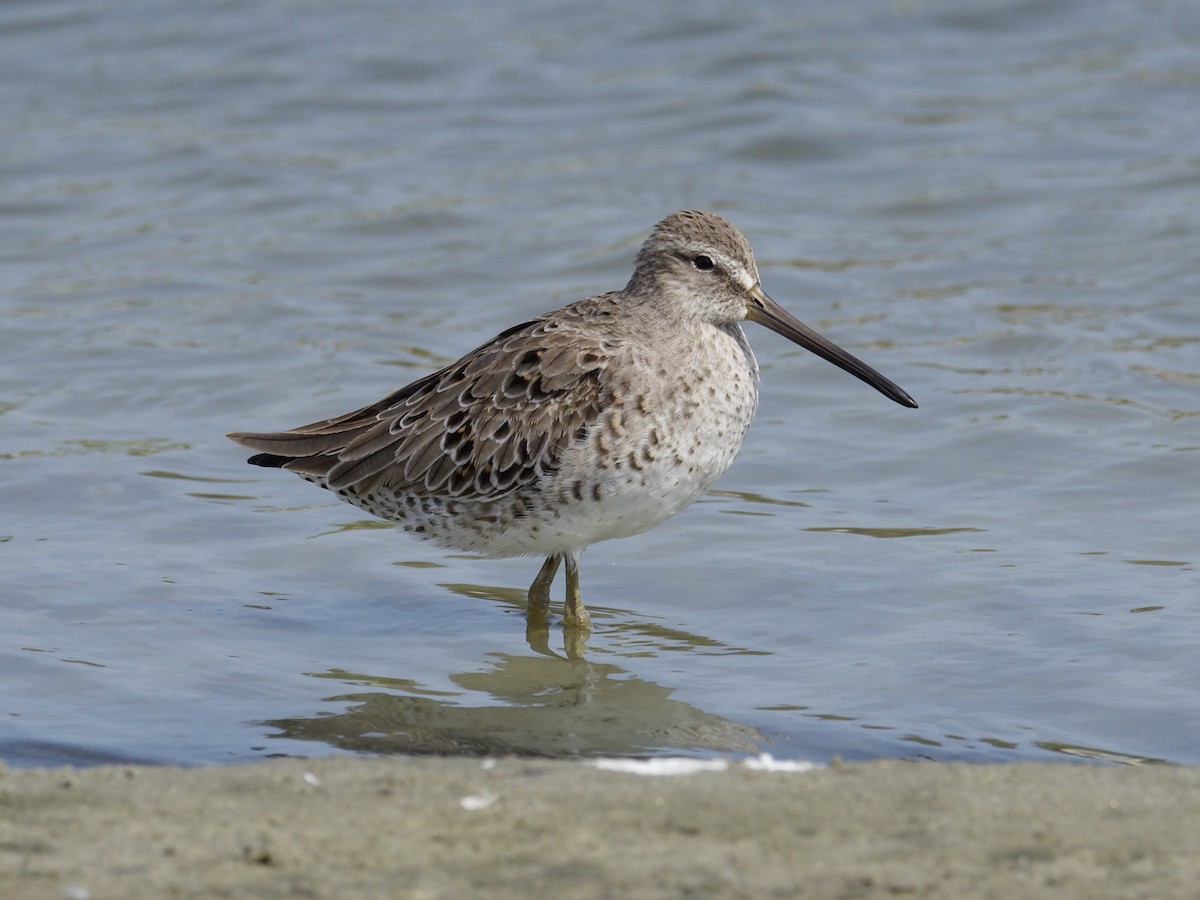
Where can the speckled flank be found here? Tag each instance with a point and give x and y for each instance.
(597, 420)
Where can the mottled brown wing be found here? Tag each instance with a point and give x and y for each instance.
(492, 422)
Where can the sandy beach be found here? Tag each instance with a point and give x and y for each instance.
(426, 827)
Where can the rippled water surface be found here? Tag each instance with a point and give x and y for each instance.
(232, 216)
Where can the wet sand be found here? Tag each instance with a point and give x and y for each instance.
(424, 828)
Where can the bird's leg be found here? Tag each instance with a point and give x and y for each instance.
(539, 591)
(575, 614)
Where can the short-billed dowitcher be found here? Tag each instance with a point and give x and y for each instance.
(598, 420)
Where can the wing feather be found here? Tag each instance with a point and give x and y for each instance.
(488, 424)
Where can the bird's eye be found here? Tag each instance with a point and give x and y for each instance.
(702, 262)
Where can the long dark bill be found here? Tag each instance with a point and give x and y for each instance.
(765, 311)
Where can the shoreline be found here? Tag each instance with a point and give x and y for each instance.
(465, 827)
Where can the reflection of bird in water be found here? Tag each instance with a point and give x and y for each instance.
(539, 706)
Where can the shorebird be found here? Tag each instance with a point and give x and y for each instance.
(595, 421)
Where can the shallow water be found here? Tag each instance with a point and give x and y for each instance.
(230, 216)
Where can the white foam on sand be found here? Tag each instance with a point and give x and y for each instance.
(682, 765)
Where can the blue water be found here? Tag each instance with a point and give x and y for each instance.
(240, 216)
